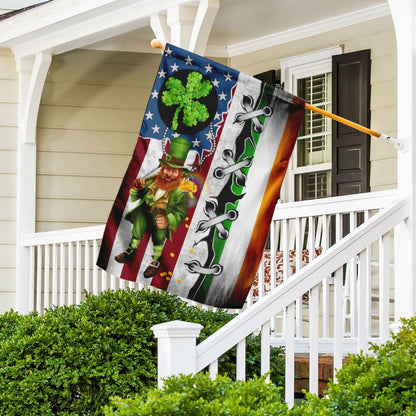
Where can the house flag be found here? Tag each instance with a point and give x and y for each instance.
(194, 207)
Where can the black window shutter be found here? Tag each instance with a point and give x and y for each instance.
(351, 100)
(268, 76)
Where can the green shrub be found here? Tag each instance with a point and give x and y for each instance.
(70, 360)
(199, 395)
(383, 383)
(380, 384)
(226, 363)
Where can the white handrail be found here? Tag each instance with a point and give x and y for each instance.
(64, 236)
(248, 321)
(334, 205)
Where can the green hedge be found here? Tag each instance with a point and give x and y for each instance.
(70, 360)
(199, 395)
(383, 383)
(380, 384)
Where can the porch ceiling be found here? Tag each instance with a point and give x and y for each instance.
(240, 26)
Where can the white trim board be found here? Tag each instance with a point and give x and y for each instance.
(305, 31)
(52, 27)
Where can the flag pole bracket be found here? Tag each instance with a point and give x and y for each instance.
(396, 143)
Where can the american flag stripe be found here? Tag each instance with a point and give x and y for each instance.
(242, 132)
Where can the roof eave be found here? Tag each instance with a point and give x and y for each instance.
(57, 27)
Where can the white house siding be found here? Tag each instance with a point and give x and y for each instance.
(8, 162)
(90, 115)
(377, 35)
(89, 118)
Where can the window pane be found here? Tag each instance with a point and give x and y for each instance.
(314, 140)
(313, 185)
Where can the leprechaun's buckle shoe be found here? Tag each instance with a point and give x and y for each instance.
(152, 269)
(126, 256)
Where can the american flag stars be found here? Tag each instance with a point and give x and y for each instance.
(222, 96)
(174, 67)
(149, 115)
(175, 60)
(196, 142)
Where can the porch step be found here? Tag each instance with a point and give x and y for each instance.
(325, 372)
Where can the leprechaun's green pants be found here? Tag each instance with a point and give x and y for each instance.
(145, 221)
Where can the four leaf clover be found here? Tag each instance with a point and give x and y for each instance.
(186, 99)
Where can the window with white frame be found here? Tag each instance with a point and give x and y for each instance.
(309, 77)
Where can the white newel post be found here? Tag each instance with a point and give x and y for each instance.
(404, 18)
(176, 346)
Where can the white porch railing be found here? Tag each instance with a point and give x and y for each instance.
(63, 267)
(300, 232)
(63, 263)
(311, 308)
(356, 248)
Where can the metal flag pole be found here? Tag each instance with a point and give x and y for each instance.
(396, 143)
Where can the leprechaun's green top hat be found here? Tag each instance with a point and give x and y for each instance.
(179, 148)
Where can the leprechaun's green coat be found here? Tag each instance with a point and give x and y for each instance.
(142, 216)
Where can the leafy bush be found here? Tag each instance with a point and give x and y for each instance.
(199, 395)
(70, 360)
(383, 383)
(226, 363)
(379, 384)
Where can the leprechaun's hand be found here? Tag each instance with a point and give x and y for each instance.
(161, 221)
(138, 184)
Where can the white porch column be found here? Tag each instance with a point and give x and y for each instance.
(186, 26)
(404, 18)
(32, 74)
(176, 348)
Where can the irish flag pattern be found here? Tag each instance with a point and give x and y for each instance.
(229, 138)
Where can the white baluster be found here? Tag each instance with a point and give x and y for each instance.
(54, 275)
(31, 279)
(87, 264)
(104, 285)
(325, 280)
(213, 369)
(265, 350)
(353, 282)
(272, 234)
(299, 247)
(313, 339)
(338, 320)
(113, 282)
(78, 265)
(39, 280)
(62, 266)
(285, 248)
(290, 355)
(384, 288)
(70, 273)
(46, 272)
(241, 360)
(261, 277)
(95, 267)
(363, 329)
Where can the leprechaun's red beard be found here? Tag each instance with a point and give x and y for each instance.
(167, 184)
